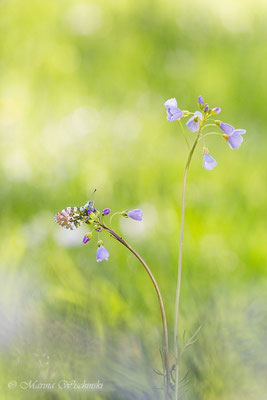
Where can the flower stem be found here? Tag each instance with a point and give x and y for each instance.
(162, 309)
(178, 288)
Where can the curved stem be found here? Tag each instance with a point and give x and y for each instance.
(161, 304)
(178, 288)
(212, 133)
(113, 215)
(206, 126)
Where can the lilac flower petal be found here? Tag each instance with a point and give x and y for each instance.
(199, 115)
(240, 131)
(171, 103)
(200, 100)
(235, 140)
(208, 162)
(227, 128)
(136, 214)
(102, 254)
(192, 124)
(174, 114)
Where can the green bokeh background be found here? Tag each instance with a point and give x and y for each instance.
(82, 87)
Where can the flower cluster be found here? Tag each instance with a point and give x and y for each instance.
(73, 217)
(202, 119)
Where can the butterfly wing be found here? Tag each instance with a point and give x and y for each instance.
(69, 218)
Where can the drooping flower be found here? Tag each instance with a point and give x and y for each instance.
(106, 211)
(102, 254)
(173, 113)
(232, 135)
(193, 122)
(136, 214)
(208, 161)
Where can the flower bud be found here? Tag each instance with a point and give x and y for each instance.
(87, 237)
(216, 110)
(200, 100)
(218, 122)
(106, 211)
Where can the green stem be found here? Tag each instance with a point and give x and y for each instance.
(113, 215)
(206, 126)
(178, 288)
(162, 309)
(211, 133)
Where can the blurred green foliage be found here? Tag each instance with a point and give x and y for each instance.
(82, 87)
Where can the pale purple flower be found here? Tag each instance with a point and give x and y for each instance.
(208, 162)
(206, 108)
(85, 239)
(233, 136)
(200, 100)
(193, 122)
(106, 211)
(135, 214)
(173, 113)
(102, 254)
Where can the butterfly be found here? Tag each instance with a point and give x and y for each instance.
(73, 217)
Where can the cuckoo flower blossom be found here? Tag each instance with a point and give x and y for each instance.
(173, 113)
(135, 214)
(208, 162)
(102, 254)
(193, 122)
(232, 135)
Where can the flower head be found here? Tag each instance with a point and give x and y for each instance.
(106, 211)
(102, 254)
(208, 162)
(173, 113)
(232, 135)
(136, 214)
(193, 122)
